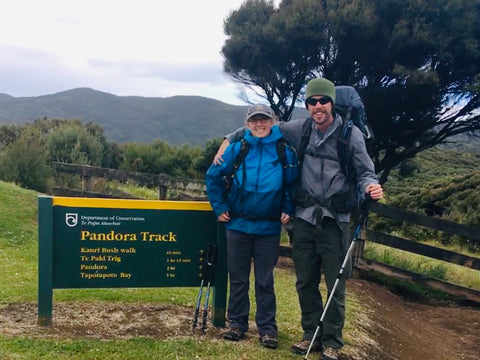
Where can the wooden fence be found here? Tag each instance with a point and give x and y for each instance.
(365, 267)
(188, 188)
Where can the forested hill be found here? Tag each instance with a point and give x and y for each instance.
(177, 120)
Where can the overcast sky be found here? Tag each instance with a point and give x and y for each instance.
(152, 48)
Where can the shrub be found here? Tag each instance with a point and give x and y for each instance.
(25, 163)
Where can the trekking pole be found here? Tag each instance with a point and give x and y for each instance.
(205, 309)
(203, 273)
(211, 263)
(361, 223)
(197, 307)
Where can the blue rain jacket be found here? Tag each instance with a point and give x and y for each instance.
(261, 190)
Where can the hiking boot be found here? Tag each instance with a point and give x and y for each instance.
(269, 341)
(329, 354)
(301, 347)
(233, 334)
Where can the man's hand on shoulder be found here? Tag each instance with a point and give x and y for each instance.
(218, 159)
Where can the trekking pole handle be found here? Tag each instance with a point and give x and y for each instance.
(212, 255)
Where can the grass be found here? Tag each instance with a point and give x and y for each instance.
(140, 192)
(18, 249)
(433, 268)
(18, 266)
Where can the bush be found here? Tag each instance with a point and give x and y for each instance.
(25, 163)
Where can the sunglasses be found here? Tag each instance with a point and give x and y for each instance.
(324, 100)
(258, 120)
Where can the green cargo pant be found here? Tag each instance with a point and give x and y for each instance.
(315, 249)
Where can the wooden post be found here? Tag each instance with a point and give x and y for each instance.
(162, 187)
(45, 260)
(360, 247)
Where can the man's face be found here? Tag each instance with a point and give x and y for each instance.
(320, 113)
(260, 125)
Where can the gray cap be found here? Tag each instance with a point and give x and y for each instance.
(260, 109)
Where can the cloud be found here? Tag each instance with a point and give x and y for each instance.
(208, 73)
(30, 72)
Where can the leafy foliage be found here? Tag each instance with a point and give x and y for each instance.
(442, 182)
(203, 162)
(75, 145)
(28, 150)
(161, 157)
(267, 49)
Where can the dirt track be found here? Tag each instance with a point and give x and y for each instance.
(392, 328)
(409, 330)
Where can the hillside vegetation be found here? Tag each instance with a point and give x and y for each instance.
(441, 182)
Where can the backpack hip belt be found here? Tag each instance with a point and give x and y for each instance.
(338, 203)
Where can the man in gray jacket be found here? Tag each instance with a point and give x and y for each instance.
(321, 233)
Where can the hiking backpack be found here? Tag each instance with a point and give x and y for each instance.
(349, 105)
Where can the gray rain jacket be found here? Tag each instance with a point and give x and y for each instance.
(322, 178)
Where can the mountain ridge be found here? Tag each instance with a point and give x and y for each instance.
(180, 119)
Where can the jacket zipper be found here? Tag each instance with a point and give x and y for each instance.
(259, 164)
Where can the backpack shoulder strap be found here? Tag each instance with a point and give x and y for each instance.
(343, 139)
(281, 146)
(306, 132)
(239, 160)
(242, 154)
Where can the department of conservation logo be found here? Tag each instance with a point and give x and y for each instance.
(71, 219)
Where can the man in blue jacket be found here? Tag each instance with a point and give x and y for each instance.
(253, 203)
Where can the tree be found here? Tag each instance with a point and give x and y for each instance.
(415, 63)
(267, 50)
(203, 162)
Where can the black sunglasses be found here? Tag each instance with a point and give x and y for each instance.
(324, 100)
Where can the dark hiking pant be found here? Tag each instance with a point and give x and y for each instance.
(315, 249)
(241, 249)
